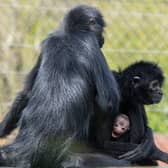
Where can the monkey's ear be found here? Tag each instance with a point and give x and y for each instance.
(136, 80)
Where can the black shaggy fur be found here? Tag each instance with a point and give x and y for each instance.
(54, 109)
(140, 84)
(135, 94)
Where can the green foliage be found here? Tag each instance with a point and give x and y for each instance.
(158, 121)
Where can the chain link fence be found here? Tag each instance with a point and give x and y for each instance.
(136, 30)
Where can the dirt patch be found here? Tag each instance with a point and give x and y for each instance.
(162, 142)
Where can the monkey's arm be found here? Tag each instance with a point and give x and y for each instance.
(12, 117)
(107, 100)
(157, 154)
(108, 96)
(147, 149)
(143, 150)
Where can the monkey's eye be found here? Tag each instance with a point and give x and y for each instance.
(136, 79)
(92, 21)
(115, 125)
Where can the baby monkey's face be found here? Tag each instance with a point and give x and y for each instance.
(121, 125)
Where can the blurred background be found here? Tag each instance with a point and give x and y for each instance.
(136, 30)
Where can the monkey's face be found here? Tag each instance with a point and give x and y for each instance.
(85, 18)
(96, 26)
(141, 83)
(147, 91)
(93, 22)
(121, 125)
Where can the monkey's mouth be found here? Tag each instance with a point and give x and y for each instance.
(115, 134)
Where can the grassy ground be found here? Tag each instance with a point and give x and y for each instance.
(136, 30)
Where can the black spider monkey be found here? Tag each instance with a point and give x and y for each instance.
(140, 84)
(59, 96)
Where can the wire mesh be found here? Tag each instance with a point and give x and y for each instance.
(136, 30)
